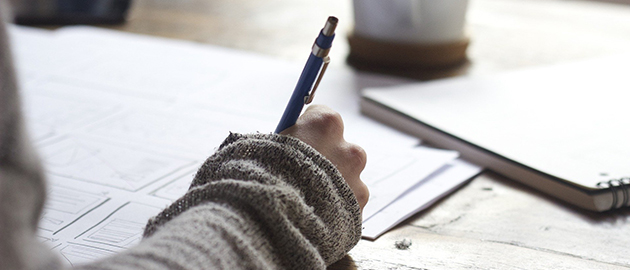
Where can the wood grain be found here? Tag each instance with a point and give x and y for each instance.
(492, 223)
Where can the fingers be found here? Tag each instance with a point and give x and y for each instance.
(318, 123)
(361, 191)
(355, 156)
(324, 118)
(322, 128)
(354, 161)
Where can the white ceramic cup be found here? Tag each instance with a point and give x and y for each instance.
(411, 21)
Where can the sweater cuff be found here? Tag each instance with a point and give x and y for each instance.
(282, 163)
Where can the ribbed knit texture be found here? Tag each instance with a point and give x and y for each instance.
(262, 201)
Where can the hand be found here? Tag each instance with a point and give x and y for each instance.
(322, 128)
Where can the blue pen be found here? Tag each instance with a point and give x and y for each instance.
(316, 65)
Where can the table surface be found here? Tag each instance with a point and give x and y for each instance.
(493, 222)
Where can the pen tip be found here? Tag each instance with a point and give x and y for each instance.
(333, 20)
(331, 24)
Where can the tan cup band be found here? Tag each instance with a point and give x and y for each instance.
(365, 51)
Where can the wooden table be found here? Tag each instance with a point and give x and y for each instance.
(491, 223)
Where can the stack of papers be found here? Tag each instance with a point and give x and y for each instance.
(122, 122)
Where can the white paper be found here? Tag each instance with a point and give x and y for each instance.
(424, 194)
(122, 122)
(390, 174)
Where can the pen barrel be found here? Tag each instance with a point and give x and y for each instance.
(327, 34)
(309, 74)
(302, 89)
(324, 41)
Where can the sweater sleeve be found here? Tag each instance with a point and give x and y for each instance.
(262, 201)
(22, 188)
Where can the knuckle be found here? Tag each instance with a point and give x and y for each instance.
(363, 194)
(329, 121)
(355, 155)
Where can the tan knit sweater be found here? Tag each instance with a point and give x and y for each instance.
(262, 201)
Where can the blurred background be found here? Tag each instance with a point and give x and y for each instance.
(504, 34)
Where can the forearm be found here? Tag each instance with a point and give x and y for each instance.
(22, 188)
(261, 201)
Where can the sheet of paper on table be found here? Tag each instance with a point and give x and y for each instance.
(419, 197)
(122, 121)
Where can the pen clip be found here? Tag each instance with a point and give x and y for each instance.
(309, 98)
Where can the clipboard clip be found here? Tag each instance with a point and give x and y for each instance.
(311, 95)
